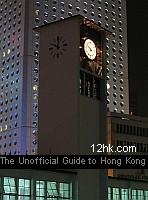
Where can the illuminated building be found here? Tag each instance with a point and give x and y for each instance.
(20, 56)
(127, 189)
(127, 131)
(37, 185)
(19, 71)
(49, 185)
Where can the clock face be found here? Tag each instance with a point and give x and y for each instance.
(57, 47)
(90, 49)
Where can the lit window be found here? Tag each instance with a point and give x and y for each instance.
(64, 190)
(109, 193)
(24, 189)
(40, 190)
(134, 196)
(35, 87)
(6, 126)
(9, 188)
(124, 194)
(140, 195)
(8, 51)
(58, 190)
(116, 194)
(108, 86)
(1, 129)
(146, 195)
(52, 189)
(37, 12)
(4, 54)
(35, 97)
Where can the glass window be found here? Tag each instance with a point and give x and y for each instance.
(24, 189)
(9, 188)
(140, 195)
(124, 194)
(64, 190)
(40, 198)
(40, 190)
(24, 198)
(9, 197)
(146, 195)
(21, 189)
(9, 185)
(52, 189)
(58, 190)
(134, 196)
(116, 194)
(109, 193)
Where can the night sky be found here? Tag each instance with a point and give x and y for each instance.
(137, 18)
(138, 34)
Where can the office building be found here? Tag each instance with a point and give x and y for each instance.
(37, 184)
(128, 131)
(131, 133)
(49, 185)
(128, 189)
(68, 116)
(19, 72)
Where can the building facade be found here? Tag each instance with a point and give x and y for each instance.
(19, 63)
(127, 189)
(47, 185)
(36, 184)
(128, 131)
(111, 15)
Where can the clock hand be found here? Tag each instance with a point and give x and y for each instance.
(58, 46)
(89, 48)
(53, 45)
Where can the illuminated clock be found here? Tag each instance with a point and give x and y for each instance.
(57, 47)
(90, 49)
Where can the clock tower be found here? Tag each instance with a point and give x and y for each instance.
(72, 95)
(72, 86)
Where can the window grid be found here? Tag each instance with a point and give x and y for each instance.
(134, 194)
(9, 188)
(14, 188)
(127, 194)
(140, 195)
(9, 185)
(20, 189)
(109, 193)
(64, 191)
(146, 195)
(116, 193)
(52, 190)
(24, 188)
(124, 194)
(40, 190)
